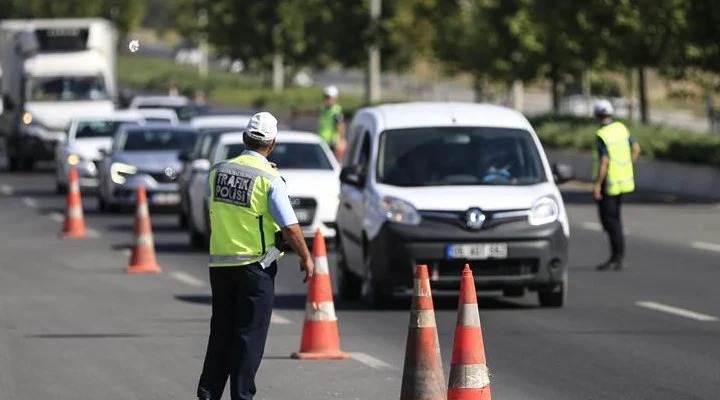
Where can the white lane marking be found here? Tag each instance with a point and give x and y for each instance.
(7, 190)
(371, 361)
(706, 246)
(676, 311)
(92, 233)
(57, 217)
(187, 279)
(279, 319)
(597, 227)
(30, 202)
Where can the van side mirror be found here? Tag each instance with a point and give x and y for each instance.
(200, 165)
(562, 173)
(352, 175)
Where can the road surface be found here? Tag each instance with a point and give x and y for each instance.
(74, 326)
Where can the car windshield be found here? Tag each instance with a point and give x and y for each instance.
(66, 88)
(286, 155)
(458, 156)
(156, 140)
(96, 129)
(184, 112)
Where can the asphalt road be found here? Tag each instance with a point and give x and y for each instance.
(74, 326)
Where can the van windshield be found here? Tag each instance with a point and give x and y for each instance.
(458, 156)
(66, 88)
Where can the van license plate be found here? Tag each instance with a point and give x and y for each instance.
(477, 251)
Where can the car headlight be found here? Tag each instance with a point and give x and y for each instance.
(119, 170)
(73, 159)
(544, 211)
(399, 211)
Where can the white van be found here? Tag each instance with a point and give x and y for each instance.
(444, 184)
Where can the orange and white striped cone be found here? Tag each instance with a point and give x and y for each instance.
(320, 334)
(74, 225)
(469, 378)
(142, 259)
(423, 377)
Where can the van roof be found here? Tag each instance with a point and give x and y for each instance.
(434, 114)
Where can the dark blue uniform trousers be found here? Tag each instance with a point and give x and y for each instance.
(242, 301)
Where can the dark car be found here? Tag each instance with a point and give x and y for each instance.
(205, 141)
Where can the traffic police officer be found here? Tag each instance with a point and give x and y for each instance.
(331, 125)
(613, 172)
(249, 207)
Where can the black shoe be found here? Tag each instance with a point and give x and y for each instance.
(618, 265)
(604, 266)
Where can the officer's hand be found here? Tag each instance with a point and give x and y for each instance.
(308, 266)
(597, 193)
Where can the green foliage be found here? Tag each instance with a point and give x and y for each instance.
(661, 142)
(126, 14)
(223, 88)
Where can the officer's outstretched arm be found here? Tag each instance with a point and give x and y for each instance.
(635, 151)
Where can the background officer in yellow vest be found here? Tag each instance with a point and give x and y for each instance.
(331, 123)
(613, 170)
(249, 208)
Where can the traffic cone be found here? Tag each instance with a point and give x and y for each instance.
(320, 335)
(469, 378)
(142, 259)
(74, 226)
(423, 377)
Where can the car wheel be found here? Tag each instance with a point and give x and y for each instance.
(373, 293)
(197, 239)
(349, 284)
(514, 291)
(554, 297)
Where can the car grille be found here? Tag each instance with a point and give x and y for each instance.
(513, 267)
(161, 177)
(305, 208)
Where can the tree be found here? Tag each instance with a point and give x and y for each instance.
(647, 33)
(490, 39)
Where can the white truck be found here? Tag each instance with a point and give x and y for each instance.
(52, 70)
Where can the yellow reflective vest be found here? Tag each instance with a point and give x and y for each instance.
(620, 175)
(326, 124)
(241, 226)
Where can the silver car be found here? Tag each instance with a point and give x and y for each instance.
(87, 135)
(148, 156)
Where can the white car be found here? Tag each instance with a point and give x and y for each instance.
(305, 162)
(87, 136)
(183, 106)
(238, 121)
(444, 184)
(159, 115)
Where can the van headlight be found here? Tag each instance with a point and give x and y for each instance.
(544, 211)
(119, 170)
(399, 211)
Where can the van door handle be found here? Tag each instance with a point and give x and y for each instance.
(347, 205)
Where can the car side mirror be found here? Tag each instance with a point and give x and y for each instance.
(352, 175)
(184, 156)
(104, 152)
(200, 165)
(562, 173)
(7, 104)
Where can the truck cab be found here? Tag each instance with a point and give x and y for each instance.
(51, 71)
